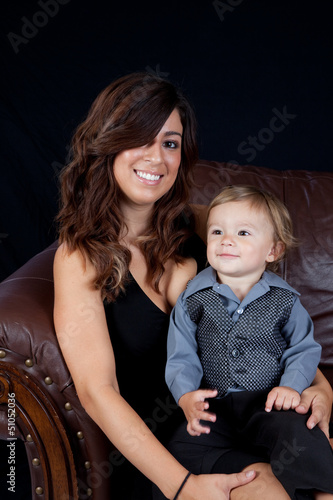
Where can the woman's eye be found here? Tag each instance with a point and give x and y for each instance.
(171, 144)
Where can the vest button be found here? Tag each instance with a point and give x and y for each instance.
(235, 353)
(240, 310)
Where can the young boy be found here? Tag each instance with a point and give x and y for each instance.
(240, 335)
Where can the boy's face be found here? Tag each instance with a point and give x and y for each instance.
(240, 241)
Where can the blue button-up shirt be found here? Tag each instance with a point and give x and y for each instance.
(184, 371)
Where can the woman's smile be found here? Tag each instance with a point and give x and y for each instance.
(146, 176)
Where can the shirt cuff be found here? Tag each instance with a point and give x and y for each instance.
(296, 380)
(178, 390)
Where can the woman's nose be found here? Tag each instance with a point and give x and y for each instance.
(152, 153)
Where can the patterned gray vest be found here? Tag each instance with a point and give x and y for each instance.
(246, 352)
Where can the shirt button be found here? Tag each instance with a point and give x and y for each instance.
(235, 353)
(240, 310)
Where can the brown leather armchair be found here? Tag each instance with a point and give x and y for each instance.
(69, 457)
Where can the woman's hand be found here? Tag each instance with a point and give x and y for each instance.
(318, 399)
(214, 486)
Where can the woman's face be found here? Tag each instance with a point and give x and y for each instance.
(144, 174)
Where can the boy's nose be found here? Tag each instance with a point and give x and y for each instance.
(226, 240)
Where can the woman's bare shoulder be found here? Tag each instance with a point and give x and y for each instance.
(72, 263)
(180, 276)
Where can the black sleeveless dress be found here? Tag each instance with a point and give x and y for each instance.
(138, 331)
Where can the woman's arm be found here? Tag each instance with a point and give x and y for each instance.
(84, 340)
(318, 398)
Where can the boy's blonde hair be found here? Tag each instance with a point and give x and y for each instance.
(274, 208)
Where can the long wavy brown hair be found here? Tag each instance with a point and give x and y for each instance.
(128, 113)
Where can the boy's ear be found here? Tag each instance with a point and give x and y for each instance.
(276, 251)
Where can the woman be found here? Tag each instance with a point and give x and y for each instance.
(127, 251)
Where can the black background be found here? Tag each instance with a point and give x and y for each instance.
(241, 62)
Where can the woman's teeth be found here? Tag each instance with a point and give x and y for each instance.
(147, 176)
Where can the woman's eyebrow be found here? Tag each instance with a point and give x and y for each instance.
(172, 132)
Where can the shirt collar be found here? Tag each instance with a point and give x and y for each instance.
(207, 279)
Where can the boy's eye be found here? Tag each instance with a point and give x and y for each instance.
(217, 231)
(243, 233)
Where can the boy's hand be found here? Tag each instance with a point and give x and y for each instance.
(282, 398)
(194, 407)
